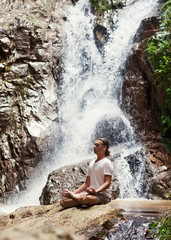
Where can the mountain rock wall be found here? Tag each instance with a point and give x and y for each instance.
(30, 50)
(142, 101)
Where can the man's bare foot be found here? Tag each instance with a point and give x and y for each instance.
(74, 196)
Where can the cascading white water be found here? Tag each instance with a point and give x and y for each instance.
(90, 97)
(91, 91)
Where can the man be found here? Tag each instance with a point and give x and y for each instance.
(95, 190)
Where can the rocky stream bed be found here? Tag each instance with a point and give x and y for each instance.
(120, 219)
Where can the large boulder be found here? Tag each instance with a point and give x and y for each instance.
(68, 177)
(52, 222)
(114, 220)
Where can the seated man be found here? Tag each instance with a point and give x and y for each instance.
(95, 190)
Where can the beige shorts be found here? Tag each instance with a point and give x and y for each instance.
(102, 199)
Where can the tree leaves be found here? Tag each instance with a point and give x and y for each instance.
(159, 54)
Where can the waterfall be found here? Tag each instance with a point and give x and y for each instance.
(91, 89)
(90, 96)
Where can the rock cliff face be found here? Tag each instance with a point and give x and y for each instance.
(30, 49)
(142, 101)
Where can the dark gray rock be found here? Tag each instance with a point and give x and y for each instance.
(68, 177)
(101, 36)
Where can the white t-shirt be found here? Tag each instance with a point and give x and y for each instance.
(97, 170)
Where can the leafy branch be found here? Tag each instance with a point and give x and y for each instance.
(162, 230)
(159, 55)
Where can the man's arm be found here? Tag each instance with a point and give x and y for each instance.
(81, 188)
(104, 186)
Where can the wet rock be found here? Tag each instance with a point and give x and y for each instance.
(148, 27)
(134, 161)
(114, 129)
(160, 184)
(101, 36)
(105, 20)
(142, 101)
(139, 86)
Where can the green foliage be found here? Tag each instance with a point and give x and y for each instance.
(159, 50)
(101, 6)
(168, 196)
(159, 55)
(166, 122)
(166, 9)
(162, 230)
(153, 225)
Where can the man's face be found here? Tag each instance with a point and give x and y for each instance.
(99, 147)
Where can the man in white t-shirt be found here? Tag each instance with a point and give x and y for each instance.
(96, 188)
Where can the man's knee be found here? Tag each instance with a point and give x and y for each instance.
(88, 200)
(82, 199)
(62, 203)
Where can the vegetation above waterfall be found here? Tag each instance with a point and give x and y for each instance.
(100, 6)
(159, 52)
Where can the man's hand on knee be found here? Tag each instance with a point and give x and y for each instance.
(83, 194)
(91, 191)
(66, 193)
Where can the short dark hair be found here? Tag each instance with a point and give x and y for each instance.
(105, 142)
